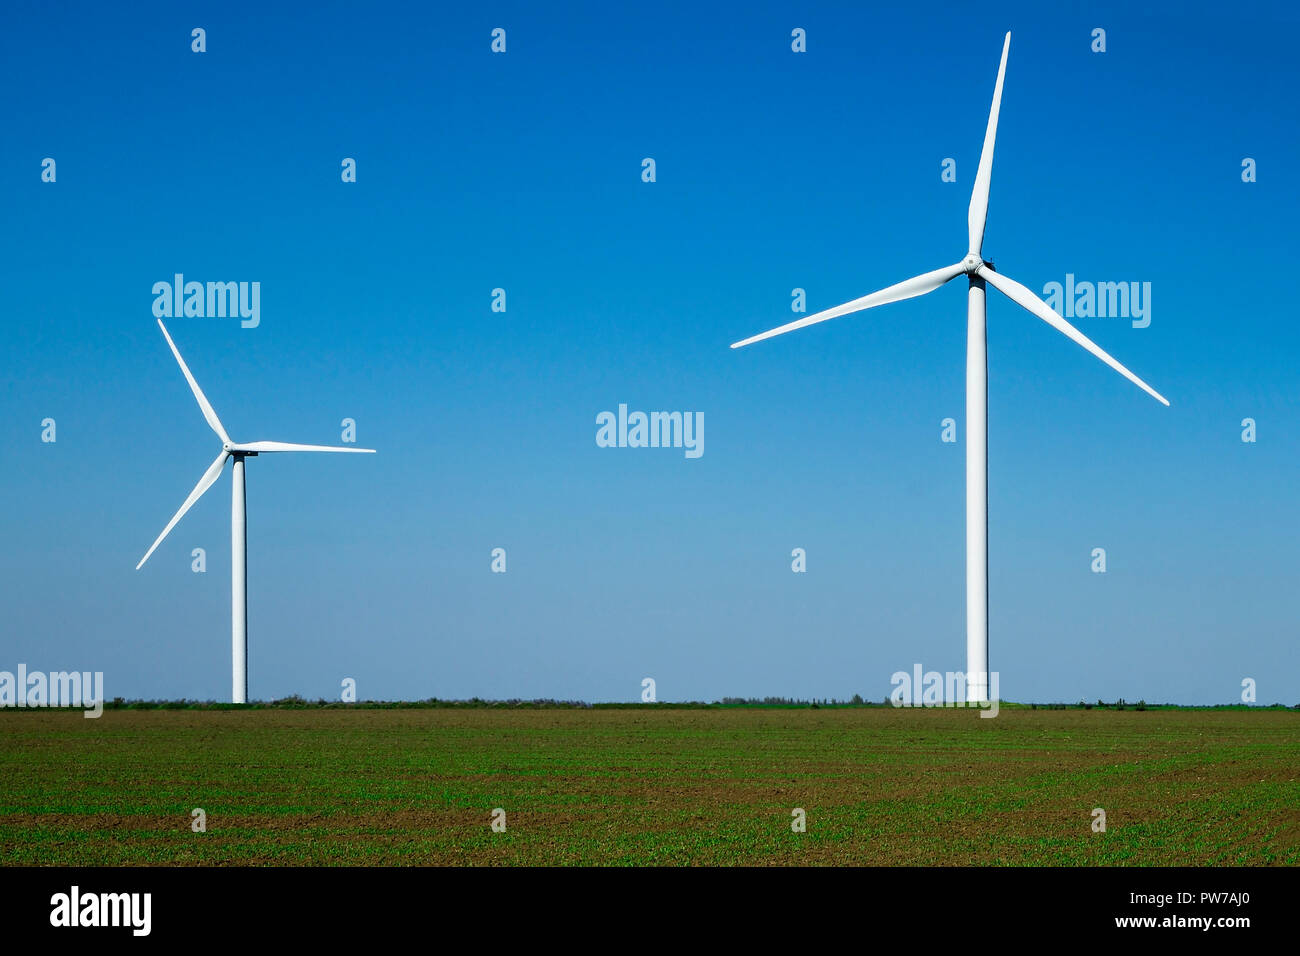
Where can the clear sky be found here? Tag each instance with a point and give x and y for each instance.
(775, 170)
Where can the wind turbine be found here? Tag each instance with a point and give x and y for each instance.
(238, 520)
(978, 272)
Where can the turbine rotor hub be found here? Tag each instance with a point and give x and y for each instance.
(972, 262)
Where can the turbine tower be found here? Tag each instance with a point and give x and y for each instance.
(238, 520)
(978, 272)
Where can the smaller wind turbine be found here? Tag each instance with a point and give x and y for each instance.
(238, 520)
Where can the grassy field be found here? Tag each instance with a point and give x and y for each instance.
(650, 786)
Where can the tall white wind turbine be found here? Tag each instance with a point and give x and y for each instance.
(978, 272)
(238, 520)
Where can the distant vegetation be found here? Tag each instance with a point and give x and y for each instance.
(475, 703)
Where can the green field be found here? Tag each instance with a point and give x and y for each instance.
(650, 786)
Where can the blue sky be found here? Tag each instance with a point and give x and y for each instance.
(522, 171)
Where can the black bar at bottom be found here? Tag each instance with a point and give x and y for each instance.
(909, 906)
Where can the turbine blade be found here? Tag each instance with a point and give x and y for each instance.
(206, 482)
(907, 289)
(262, 446)
(204, 404)
(1022, 296)
(979, 197)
